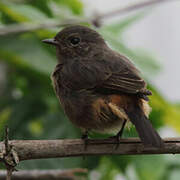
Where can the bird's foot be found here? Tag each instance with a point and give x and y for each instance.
(118, 135)
(117, 139)
(85, 138)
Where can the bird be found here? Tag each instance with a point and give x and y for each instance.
(100, 89)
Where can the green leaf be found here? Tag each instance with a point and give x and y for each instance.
(8, 12)
(43, 5)
(164, 112)
(107, 169)
(150, 167)
(76, 6)
(22, 12)
(27, 52)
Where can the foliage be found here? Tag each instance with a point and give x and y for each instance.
(30, 108)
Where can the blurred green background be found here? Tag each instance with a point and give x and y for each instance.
(28, 104)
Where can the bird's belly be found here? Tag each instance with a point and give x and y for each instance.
(78, 108)
(93, 112)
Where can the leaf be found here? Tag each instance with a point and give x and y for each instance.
(76, 6)
(44, 6)
(22, 12)
(27, 52)
(164, 112)
(107, 169)
(145, 165)
(172, 117)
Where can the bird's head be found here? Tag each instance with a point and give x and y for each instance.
(76, 41)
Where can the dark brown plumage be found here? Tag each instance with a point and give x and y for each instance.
(99, 88)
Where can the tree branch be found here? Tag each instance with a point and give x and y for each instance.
(132, 7)
(22, 28)
(38, 149)
(70, 174)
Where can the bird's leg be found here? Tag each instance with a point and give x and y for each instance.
(85, 138)
(119, 134)
(84, 135)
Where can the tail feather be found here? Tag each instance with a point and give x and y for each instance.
(146, 132)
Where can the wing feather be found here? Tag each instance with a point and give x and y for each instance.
(124, 77)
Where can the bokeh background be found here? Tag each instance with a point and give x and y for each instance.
(28, 105)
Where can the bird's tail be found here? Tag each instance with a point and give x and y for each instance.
(147, 133)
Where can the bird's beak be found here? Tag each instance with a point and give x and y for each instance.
(50, 41)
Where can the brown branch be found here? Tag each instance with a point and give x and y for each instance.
(38, 149)
(71, 174)
(22, 28)
(28, 27)
(132, 7)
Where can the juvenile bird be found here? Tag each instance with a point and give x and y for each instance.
(98, 88)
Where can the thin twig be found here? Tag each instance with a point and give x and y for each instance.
(27, 27)
(38, 149)
(96, 20)
(132, 7)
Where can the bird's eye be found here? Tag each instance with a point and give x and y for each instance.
(74, 41)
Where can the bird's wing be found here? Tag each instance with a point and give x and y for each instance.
(124, 83)
(124, 78)
(107, 73)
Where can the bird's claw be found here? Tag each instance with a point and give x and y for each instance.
(85, 138)
(117, 140)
